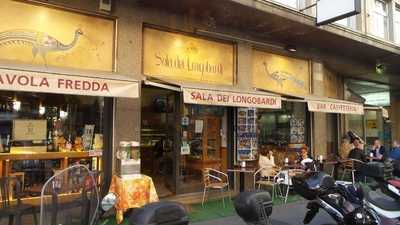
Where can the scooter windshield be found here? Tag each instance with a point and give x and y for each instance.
(70, 197)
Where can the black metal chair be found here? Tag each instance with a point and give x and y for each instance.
(11, 204)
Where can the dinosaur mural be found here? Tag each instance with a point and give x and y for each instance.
(41, 43)
(281, 76)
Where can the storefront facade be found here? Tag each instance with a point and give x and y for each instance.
(178, 78)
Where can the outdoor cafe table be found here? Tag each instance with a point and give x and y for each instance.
(242, 171)
(132, 192)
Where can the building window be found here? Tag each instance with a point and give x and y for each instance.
(290, 3)
(349, 22)
(397, 24)
(380, 19)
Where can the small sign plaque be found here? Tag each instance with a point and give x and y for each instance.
(29, 130)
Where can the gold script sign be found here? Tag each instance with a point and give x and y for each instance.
(281, 74)
(180, 57)
(35, 34)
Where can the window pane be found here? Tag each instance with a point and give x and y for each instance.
(379, 17)
(291, 3)
(397, 25)
(343, 22)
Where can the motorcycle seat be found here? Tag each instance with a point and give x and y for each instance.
(382, 201)
(395, 183)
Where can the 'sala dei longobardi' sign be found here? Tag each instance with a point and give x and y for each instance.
(180, 57)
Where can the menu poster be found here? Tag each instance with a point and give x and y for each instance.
(29, 130)
(297, 131)
(246, 134)
(87, 137)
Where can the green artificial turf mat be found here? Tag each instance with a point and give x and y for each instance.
(214, 209)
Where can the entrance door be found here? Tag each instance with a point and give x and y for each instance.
(158, 138)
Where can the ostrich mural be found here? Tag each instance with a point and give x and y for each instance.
(40, 42)
(281, 76)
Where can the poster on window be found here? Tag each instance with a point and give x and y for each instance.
(246, 134)
(29, 130)
(297, 131)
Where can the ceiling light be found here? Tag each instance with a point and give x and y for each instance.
(63, 114)
(290, 48)
(16, 105)
(42, 110)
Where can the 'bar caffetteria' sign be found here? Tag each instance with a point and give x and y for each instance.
(16, 80)
(224, 98)
(333, 107)
(180, 57)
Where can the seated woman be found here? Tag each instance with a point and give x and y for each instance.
(267, 162)
(306, 162)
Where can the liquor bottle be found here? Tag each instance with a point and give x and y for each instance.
(7, 146)
(50, 143)
(1, 145)
(68, 145)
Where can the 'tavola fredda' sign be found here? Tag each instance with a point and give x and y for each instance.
(16, 80)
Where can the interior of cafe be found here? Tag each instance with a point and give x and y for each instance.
(44, 133)
(283, 130)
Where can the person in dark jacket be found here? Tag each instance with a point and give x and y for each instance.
(395, 153)
(358, 151)
(378, 151)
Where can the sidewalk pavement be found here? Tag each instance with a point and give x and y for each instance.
(289, 214)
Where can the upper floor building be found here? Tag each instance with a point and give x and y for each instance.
(379, 19)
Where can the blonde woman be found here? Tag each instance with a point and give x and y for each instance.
(267, 161)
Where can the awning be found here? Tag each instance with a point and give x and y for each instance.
(330, 105)
(203, 94)
(45, 80)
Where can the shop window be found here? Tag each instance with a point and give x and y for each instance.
(380, 19)
(283, 130)
(35, 125)
(355, 123)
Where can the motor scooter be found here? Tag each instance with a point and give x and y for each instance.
(386, 201)
(342, 201)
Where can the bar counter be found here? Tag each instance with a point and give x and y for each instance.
(7, 158)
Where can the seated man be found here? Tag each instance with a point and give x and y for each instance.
(357, 153)
(395, 153)
(378, 151)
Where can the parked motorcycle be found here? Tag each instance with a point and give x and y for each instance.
(342, 201)
(386, 202)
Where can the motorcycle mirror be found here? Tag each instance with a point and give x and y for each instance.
(109, 201)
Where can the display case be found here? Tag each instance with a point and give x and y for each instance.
(205, 144)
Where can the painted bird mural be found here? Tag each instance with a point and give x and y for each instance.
(40, 42)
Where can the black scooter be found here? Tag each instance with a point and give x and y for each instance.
(342, 201)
